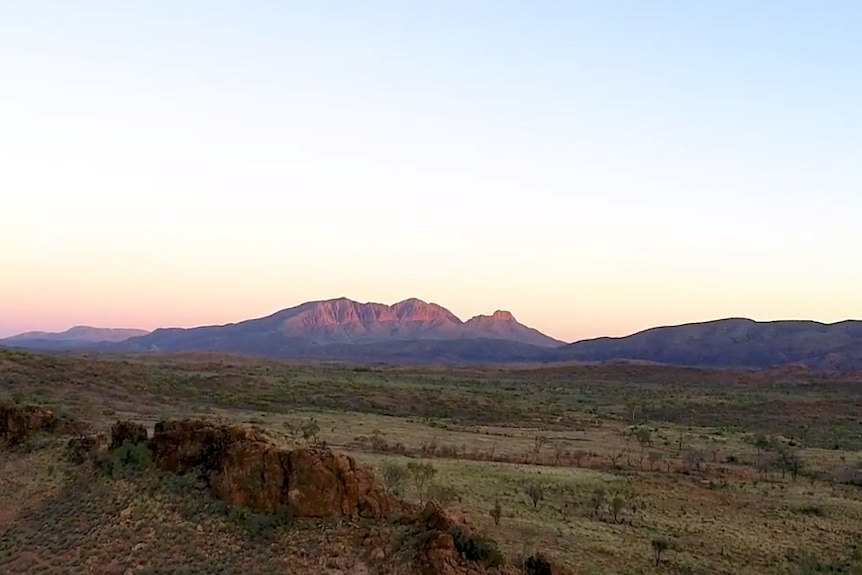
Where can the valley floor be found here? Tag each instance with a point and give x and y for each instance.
(598, 466)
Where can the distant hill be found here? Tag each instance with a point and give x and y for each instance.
(733, 342)
(413, 331)
(76, 337)
(339, 325)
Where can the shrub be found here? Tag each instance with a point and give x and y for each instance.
(475, 547)
(496, 512)
(310, 431)
(535, 493)
(659, 545)
(394, 476)
(443, 494)
(261, 525)
(618, 503)
(422, 475)
(129, 460)
(598, 500)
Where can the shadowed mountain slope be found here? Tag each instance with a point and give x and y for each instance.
(76, 337)
(730, 342)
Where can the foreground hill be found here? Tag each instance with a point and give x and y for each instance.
(731, 343)
(76, 337)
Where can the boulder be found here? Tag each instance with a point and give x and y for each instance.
(17, 423)
(181, 446)
(438, 556)
(244, 468)
(251, 474)
(436, 517)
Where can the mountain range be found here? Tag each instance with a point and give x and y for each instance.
(414, 331)
(78, 336)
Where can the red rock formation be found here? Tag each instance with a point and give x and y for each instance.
(244, 468)
(17, 423)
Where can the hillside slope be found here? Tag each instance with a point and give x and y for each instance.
(733, 342)
(307, 328)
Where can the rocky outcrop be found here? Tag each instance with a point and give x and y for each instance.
(244, 468)
(17, 423)
(438, 556)
(448, 545)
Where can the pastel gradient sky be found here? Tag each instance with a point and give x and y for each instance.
(595, 167)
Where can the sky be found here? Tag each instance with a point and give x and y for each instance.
(595, 167)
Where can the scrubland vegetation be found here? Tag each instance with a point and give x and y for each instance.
(611, 469)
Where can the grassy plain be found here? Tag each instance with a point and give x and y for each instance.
(678, 447)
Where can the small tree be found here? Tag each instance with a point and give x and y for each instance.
(496, 512)
(659, 546)
(538, 442)
(310, 431)
(644, 439)
(618, 503)
(762, 443)
(443, 494)
(394, 476)
(614, 457)
(559, 451)
(422, 475)
(765, 461)
(535, 493)
(654, 458)
(598, 500)
(692, 461)
(789, 462)
(578, 455)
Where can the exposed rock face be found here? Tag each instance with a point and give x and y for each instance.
(124, 432)
(244, 468)
(438, 552)
(17, 423)
(180, 446)
(438, 556)
(435, 517)
(306, 329)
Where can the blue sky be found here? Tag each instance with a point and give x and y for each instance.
(596, 167)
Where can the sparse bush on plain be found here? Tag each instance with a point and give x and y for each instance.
(422, 476)
(497, 512)
(129, 460)
(654, 458)
(598, 500)
(310, 431)
(443, 494)
(394, 476)
(535, 493)
(659, 546)
(618, 504)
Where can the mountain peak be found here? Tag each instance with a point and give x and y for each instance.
(414, 309)
(502, 315)
(499, 316)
